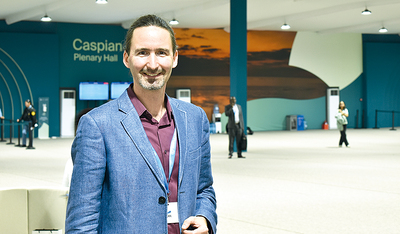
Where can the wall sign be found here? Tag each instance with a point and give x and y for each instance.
(104, 51)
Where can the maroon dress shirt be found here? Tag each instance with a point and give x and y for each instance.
(160, 135)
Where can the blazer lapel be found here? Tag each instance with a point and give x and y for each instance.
(134, 129)
(181, 126)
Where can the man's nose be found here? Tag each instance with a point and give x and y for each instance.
(152, 62)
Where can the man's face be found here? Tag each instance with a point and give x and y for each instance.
(151, 58)
(27, 104)
(233, 101)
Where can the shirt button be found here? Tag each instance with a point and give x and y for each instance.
(161, 200)
(165, 152)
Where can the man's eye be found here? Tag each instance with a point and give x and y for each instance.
(141, 53)
(162, 53)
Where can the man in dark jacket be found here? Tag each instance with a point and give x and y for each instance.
(235, 126)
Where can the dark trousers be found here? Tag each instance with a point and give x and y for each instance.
(25, 129)
(343, 138)
(235, 133)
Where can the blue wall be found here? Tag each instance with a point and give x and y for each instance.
(270, 113)
(381, 79)
(73, 70)
(46, 56)
(37, 55)
(352, 95)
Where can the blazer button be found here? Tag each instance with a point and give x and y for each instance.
(161, 200)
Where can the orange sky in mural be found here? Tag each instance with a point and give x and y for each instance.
(269, 40)
(200, 40)
(197, 41)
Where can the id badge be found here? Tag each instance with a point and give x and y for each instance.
(172, 215)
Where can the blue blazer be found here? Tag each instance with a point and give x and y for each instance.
(117, 185)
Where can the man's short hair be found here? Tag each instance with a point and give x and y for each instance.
(145, 21)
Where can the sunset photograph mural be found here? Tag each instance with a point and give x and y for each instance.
(203, 67)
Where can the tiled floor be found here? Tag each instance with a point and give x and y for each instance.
(290, 182)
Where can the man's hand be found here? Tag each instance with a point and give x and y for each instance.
(195, 225)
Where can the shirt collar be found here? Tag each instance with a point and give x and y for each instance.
(142, 111)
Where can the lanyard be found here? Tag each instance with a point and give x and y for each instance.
(172, 151)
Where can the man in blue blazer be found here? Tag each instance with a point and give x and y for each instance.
(142, 161)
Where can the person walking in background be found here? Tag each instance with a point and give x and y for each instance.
(141, 163)
(341, 117)
(235, 126)
(28, 116)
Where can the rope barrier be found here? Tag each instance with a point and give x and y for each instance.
(12, 124)
(2, 130)
(385, 111)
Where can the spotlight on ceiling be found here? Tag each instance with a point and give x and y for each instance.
(174, 22)
(45, 18)
(366, 12)
(285, 26)
(383, 30)
(101, 1)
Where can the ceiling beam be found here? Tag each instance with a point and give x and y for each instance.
(23, 15)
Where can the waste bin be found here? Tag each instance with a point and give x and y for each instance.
(300, 123)
(291, 122)
(216, 119)
(212, 128)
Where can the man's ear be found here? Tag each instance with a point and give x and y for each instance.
(125, 59)
(175, 59)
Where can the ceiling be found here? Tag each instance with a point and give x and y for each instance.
(322, 16)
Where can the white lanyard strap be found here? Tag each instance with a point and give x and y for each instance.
(172, 152)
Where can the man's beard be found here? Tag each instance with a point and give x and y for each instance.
(151, 86)
(156, 84)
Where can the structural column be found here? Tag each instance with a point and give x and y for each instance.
(238, 54)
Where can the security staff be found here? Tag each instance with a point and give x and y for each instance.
(29, 116)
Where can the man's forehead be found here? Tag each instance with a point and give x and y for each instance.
(151, 35)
